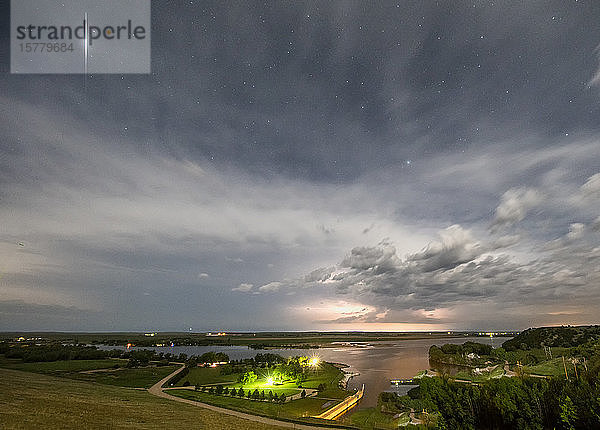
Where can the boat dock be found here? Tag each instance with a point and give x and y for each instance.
(403, 382)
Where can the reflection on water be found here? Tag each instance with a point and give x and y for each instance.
(377, 363)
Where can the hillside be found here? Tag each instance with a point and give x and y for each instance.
(31, 400)
(563, 336)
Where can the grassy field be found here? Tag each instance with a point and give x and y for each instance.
(58, 367)
(552, 367)
(371, 418)
(329, 375)
(35, 401)
(206, 376)
(326, 374)
(142, 377)
(294, 409)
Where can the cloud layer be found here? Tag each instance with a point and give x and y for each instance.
(311, 165)
(487, 275)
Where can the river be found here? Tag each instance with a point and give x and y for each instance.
(377, 363)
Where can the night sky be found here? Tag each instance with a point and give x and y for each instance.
(331, 165)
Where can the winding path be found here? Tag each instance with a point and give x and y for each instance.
(157, 390)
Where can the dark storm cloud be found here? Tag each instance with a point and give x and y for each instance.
(459, 270)
(271, 138)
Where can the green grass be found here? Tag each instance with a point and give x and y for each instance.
(143, 377)
(552, 367)
(36, 401)
(206, 376)
(329, 375)
(57, 367)
(326, 374)
(295, 409)
(371, 418)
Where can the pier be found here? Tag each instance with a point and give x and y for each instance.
(341, 408)
(403, 382)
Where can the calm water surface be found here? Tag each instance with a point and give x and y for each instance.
(377, 363)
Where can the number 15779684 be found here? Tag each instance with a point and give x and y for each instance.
(46, 47)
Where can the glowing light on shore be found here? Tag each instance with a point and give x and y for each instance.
(269, 381)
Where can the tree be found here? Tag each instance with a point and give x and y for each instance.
(248, 378)
(219, 389)
(233, 392)
(241, 392)
(191, 363)
(282, 398)
(255, 394)
(568, 415)
(270, 396)
(249, 394)
(300, 378)
(303, 394)
(212, 357)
